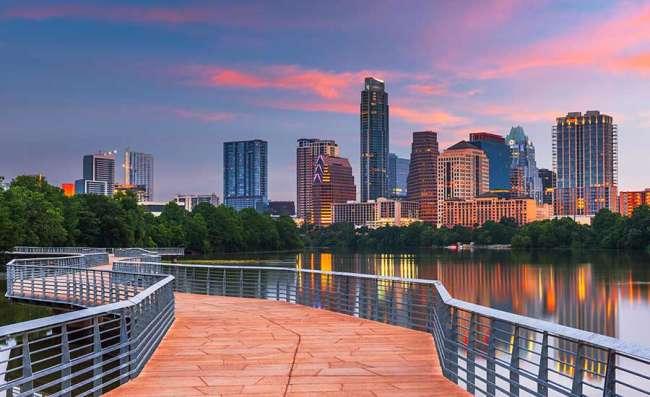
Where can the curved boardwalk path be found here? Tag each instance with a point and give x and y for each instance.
(238, 346)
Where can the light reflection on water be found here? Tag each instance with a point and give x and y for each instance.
(603, 292)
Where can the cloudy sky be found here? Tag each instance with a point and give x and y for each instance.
(178, 78)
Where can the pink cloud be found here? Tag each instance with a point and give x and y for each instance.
(325, 84)
(206, 117)
(430, 89)
(609, 45)
(519, 113)
(428, 118)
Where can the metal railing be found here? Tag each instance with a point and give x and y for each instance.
(135, 252)
(55, 250)
(486, 351)
(89, 351)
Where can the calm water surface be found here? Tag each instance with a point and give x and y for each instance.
(602, 291)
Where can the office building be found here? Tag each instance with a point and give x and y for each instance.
(377, 213)
(190, 201)
(498, 154)
(333, 183)
(585, 161)
(281, 208)
(68, 189)
(86, 186)
(307, 154)
(99, 167)
(523, 164)
(374, 140)
(422, 181)
(138, 171)
(139, 191)
(628, 201)
(547, 177)
(245, 174)
(491, 207)
(398, 172)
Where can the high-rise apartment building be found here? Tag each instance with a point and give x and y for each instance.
(245, 174)
(422, 182)
(585, 160)
(307, 154)
(523, 164)
(98, 168)
(628, 201)
(490, 207)
(138, 171)
(547, 178)
(374, 140)
(498, 154)
(463, 173)
(398, 172)
(333, 183)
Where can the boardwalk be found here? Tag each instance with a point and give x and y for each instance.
(236, 346)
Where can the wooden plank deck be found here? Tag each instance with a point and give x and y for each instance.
(237, 346)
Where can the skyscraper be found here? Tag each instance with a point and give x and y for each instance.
(374, 140)
(333, 183)
(98, 167)
(547, 178)
(585, 160)
(523, 164)
(398, 172)
(245, 175)
(463, 173)
(138, 171)
(307, 154)
(498, 154)
(422, 182)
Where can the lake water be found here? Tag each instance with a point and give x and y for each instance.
(601, 291)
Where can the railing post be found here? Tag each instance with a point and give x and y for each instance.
(578, 370)
(65, 361)
(542, 376)
(124, 347)
(609, 388)
(97, 360)
(223, 283)
(491, 360)
(241, 283)
(453, 345)
(207, 283)
(471, 356)
(409, 307)
(277, 289)
(259, 284)
(514, 363)
(27, 366)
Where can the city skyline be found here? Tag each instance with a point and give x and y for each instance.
(192, 76)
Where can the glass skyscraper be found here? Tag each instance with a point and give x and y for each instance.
(398, 172)
(138, 171)
(585, 160)
(498, 154)
(374, 140)
(523, 166)
(245, 174)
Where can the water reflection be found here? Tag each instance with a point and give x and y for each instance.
(606, 293)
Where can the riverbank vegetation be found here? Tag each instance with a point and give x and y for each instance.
(32, 212)
(608, 231)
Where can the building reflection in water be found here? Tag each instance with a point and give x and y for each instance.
(576, 294)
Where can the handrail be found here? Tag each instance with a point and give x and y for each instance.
(87, 351)
(485, 350)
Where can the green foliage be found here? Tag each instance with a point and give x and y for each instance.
(32, 212)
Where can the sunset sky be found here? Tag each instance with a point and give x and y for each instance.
(178, 78)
